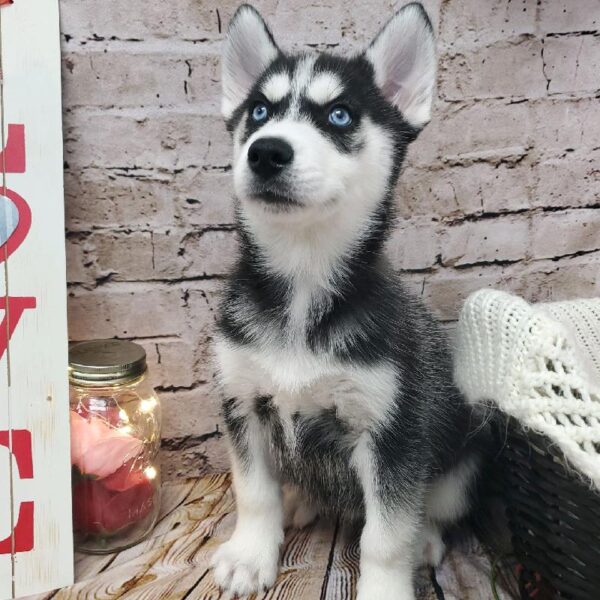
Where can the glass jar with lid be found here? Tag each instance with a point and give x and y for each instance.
(115, 438)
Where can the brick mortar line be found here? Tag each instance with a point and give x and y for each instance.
(141, 112)
(436, 268)
(440, 221)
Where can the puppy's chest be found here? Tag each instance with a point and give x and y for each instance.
(302, 393)
(302, 386)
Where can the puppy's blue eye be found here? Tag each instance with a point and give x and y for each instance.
(340, 117)
(260, 112)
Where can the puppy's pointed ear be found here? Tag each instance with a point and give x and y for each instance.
(403, 57)
(249, 50)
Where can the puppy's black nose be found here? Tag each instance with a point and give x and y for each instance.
(268, 156)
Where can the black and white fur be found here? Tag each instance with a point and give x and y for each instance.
(337, 383)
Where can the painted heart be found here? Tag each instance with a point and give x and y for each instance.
(15, 222)
(9, 219)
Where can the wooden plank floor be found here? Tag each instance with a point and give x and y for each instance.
(318, 563)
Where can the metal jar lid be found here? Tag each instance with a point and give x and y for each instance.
(106, 362)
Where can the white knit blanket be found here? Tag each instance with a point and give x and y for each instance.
(538, 363)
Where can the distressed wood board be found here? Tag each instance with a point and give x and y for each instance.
(35, 499)
(318, 563)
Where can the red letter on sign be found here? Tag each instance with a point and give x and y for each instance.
(13, 155)
(16, 306)
(23, 531)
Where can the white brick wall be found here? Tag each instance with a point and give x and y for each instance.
(502, 188)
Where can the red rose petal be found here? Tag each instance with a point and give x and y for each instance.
(129, 506)
(97, 510)
(124, 478)
(89, 498)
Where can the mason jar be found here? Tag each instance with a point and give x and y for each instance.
(115, 438)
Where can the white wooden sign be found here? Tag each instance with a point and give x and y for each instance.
(36, 549)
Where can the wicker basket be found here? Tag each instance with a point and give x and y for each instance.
(553, 516)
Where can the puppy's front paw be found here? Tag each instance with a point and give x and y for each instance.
(384, 583)
(243, 567)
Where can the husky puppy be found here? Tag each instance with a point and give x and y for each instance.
(338, 385)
